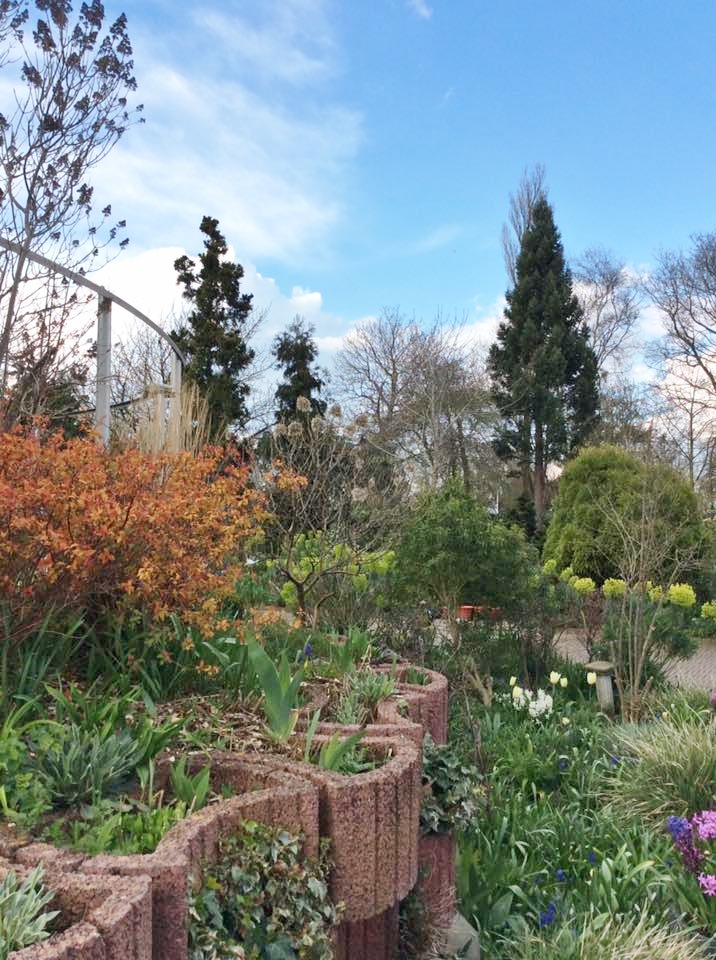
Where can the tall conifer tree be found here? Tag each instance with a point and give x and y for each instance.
(213, 334)
(295, 351)
(544, 371)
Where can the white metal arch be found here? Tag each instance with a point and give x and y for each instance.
(104, 339)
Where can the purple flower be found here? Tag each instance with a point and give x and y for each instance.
(679, 828)
(592, 857)
(549, 915)
(713, 699)
(560, 875)
(614, 760)
(707, 882)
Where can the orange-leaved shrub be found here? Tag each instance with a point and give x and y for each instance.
(114, 532)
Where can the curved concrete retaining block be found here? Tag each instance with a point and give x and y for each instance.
(373, 939)
(416, 709)
(372, 820)
(436, 879)
(271, 795)
(106, 918)
(427, 703)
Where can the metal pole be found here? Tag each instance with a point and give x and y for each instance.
(175, 405)
(104, 368)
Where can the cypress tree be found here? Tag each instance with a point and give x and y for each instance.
(543, 369)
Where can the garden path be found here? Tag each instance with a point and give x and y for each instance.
(698, 671)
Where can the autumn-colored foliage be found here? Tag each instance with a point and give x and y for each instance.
(109, 532)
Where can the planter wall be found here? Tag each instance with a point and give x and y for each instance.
(271, 795)
(427, 703)
(436, 880)
(103, 918)
(372, 820)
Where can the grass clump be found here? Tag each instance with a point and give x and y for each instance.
(664, 768)
(607, 938)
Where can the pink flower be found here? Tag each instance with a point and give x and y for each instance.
(705, 823)
(707, 882)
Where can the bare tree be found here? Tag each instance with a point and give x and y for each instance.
(611, 301)
(423, 397)
(71, 84)
(627, 412)
(687, 420)
(683, 287)
(532, 187)
(372, 367)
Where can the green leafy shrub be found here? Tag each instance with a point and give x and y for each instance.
(362, 691)
(22, 921)
(603, 490)
(280, 691)
(452, 795)
(82, 765)
(122, 827)
(452, 551)
(265, 895)
(23, 795)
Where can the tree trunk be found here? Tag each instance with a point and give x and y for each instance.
(540, 491)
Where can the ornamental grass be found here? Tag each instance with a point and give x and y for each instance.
(610, 939)
(665, 768)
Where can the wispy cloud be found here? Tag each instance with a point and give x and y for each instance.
(267, 152)
(439, 237)
(421, 8)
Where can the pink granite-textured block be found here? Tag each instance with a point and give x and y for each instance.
(54, 857)
(427, 703)
(372, 939)
(101, 916)
(81, 942)
(436, 882)
(351, 816)
(278, 799)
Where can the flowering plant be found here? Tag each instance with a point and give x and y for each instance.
(537, 705)
(695, 839)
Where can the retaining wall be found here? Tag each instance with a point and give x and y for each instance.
(372, 820)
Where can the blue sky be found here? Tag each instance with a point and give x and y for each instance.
(361, 155)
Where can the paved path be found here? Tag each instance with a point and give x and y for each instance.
(698, 671)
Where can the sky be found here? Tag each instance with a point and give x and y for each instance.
(360, 155)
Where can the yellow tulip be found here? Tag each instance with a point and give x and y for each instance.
(563, 682)
(591, 678)
(554, 677)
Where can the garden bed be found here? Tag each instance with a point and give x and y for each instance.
(264, 792)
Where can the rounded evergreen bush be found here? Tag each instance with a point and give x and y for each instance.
(604, 495)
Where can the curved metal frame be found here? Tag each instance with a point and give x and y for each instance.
(104, 334)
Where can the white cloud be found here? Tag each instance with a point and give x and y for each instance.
(481, 331)
(421, 8)
(266, 151)
(147, 281)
